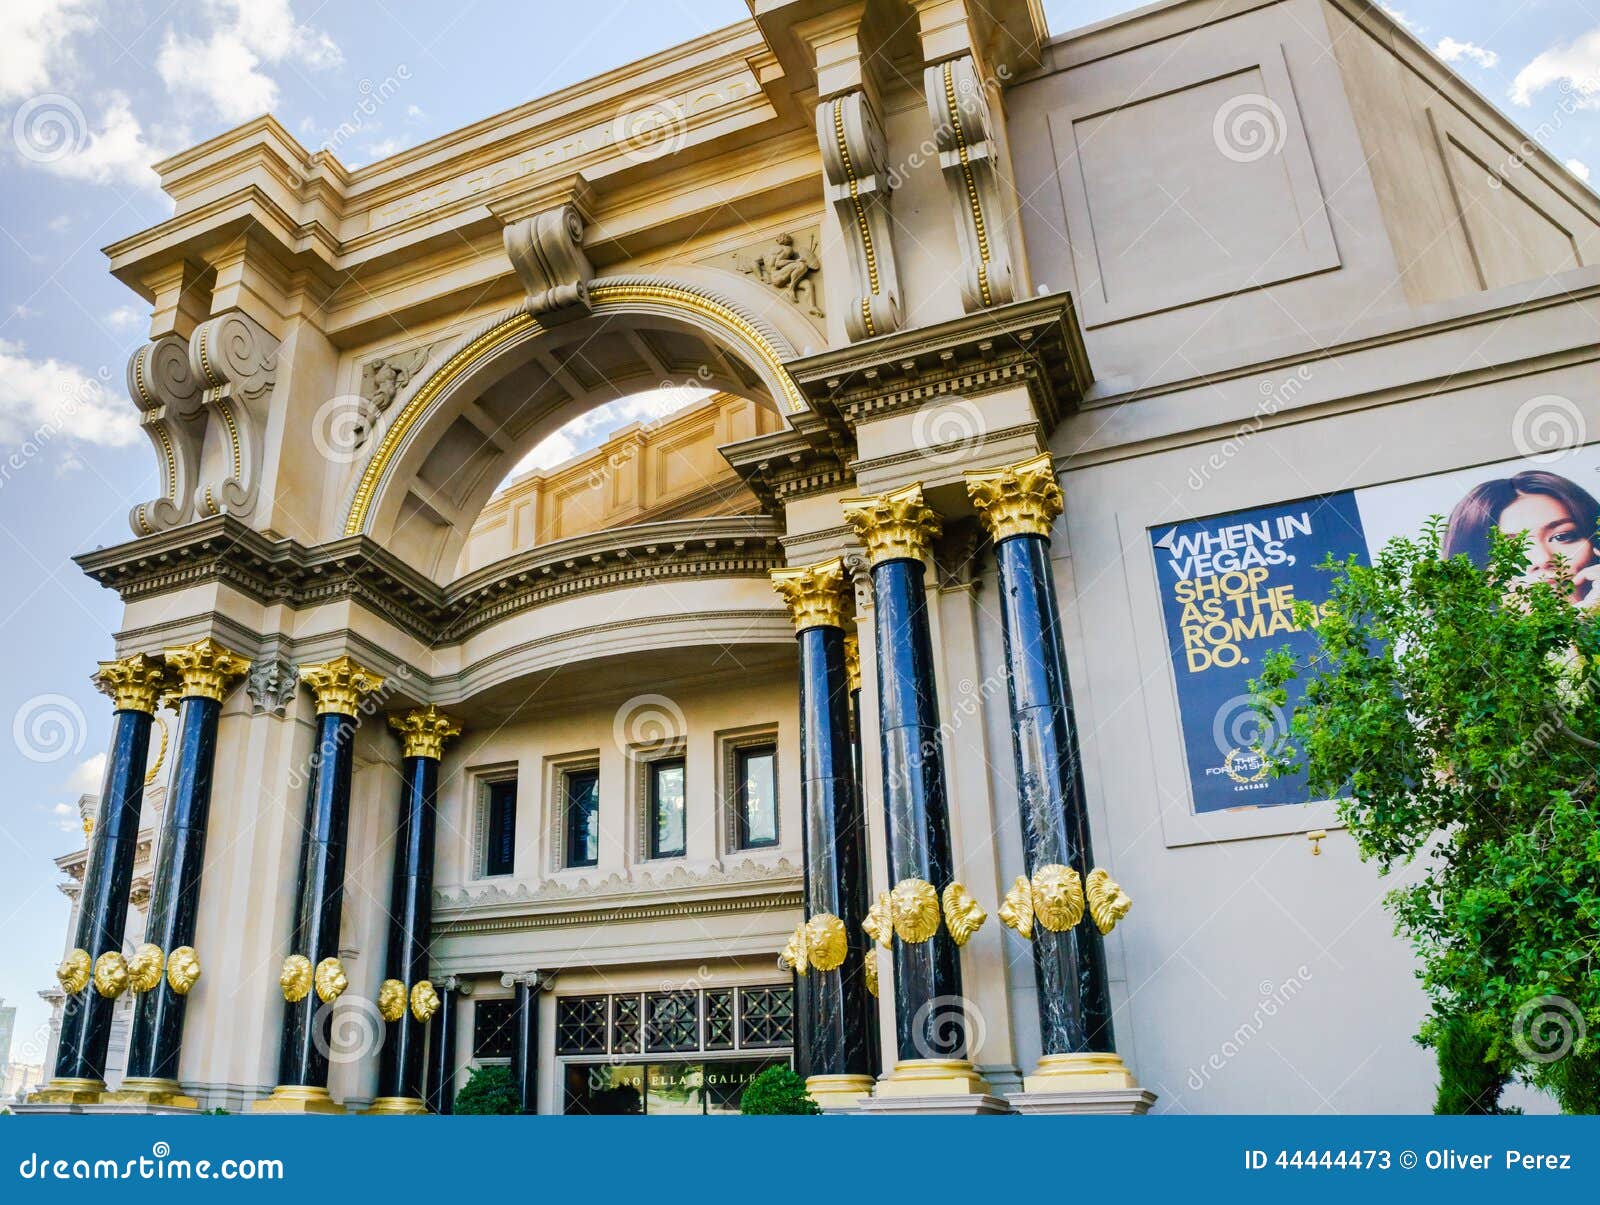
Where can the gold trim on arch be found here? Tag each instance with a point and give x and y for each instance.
(602, 297)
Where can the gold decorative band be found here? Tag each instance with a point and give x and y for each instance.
(963, 915)
(1057, 897)
(815, 593)
(424, 1000)
(893, 526)
(820, 942)
(205, 669)
(339, 684)
(391, 1000)
(111, 974)
(1020, 499)
(331, 980)
(1108, 903)
(295, 978)
(424, 731)
(134, 683)
(74, 971)
(914, 910)
(183, 969)
(145, 968)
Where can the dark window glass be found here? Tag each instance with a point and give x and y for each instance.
(671, 1021)
(766, 1016)
(666, 808)
(725, 1080)
(604, 1089)
(583, 817)
(757, 796)
(500, 856)
(581, 1025)
(494, 1031)
(714, 1087)
(625, 1024)
(719, 1020)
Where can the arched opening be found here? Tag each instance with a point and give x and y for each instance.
(453, 439)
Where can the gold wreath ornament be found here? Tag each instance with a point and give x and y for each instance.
(330, 980)
(1108, 903)
(1016, 910)
(295, 978)
(794, 955)
(963, 915)
(111, 974)
(145, 967)
(392, 1000)
(183, 969)
(1057, 897)
(879, 924)
(914, 907)
(826, 943)
(424, 1001)
(73, 973)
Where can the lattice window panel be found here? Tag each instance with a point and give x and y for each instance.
(719, 1020)
(581, 1025)
(672, 1022)
(625, 1027)
(766, 1016)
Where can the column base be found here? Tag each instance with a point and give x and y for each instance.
(395, 1106)
(142, 1090)
(836, 1092)
(1120, 1102)
(969, 1104)
(297, 1098)
(932, 1077)
(1079, 1072)
(68, 1090)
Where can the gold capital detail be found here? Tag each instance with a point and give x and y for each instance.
(339, 684)
(183, 969)
(73, 973)
(205, 669)
(424, 731)
(111, 974)
(1021, 499)
(914, 910)
(145, 967)
(1108, 903)
(815, 594)
(893, 526)
(134, 683)
(424, 1000)
(295, 978)
(963, 915)
(392, 1000)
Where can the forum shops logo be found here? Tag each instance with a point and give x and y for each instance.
(1249, 127)
(1246, 729)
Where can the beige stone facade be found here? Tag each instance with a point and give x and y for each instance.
(1209, 255)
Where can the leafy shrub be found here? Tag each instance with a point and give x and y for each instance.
(776, 1091)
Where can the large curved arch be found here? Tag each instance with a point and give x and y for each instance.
(749, 332)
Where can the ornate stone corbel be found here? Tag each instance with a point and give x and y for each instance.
(962, 131)
(235, 360)
(172, 413)
(271, 684)
(547, 252)
(855, 169)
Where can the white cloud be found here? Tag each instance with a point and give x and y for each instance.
(35, 50)
(1575, 66)
(125, 318)
(67, 819)
(223, 68)
(114, 152)
(59, 223)
(593, 427)
(1579, 169)
(387, 146)
(46, 401)
(86, 779)
(1401, 17)
(1452, 51)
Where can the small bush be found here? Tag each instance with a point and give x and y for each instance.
(1470, 1082)
(489, 1091)
(776, 1091)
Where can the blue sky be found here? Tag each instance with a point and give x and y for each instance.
(133, 81)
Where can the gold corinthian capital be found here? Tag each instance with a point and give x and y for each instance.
(134, 683)
(815, 593)
(339, 684)
(424, 731)
(205, 669)
(1020, 499)
(894, 526)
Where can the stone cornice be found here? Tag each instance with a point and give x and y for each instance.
(223, 550)
(1035, 343)
(785, 465)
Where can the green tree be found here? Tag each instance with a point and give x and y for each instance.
(777, 1090)
(490, 1090)
(1455, 712)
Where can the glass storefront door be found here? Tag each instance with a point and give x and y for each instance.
(692, 1088)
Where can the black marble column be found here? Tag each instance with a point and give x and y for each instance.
(442, 1046)
(525, 1059)
(167, 965)
(407, 999)
(1018, 505)
(829, 948)
(930, 1010)
(312, 975)
(94, 974)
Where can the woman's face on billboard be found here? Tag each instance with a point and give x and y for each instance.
(1552, 533)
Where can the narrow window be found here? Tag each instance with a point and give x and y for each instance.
(666, 808)
(501, 824)
(756, 795)
(582, 821)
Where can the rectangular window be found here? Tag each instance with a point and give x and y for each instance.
(666, 808)
(500, 827)
(756, 796)
(494, 1033)
(582, 817)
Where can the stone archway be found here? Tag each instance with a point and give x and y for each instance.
(506, 384)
